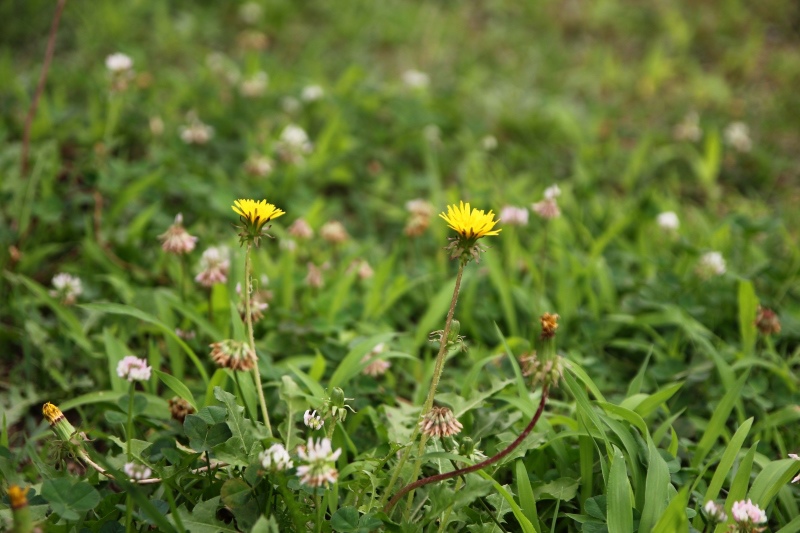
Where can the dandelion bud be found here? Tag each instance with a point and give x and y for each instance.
(549, 325)
(440, 422)
(467, 447)
(58, 422)
(336, 405)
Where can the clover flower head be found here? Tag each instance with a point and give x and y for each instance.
(334, 232)
(688, 129)
(440, 422)
(312, 93)
(137, 471)
(176, 240)
(489, 143)
(714, 512)
(259, 166)
(314, 276)
(377, 367)
(255, 85)
(250, 12)
(66, 288)
(711, 264)
(745, 512)
(300, 229)
(179, 409)
(318, 457)
(196, 132)
(514, 216)
(668, 221)
(119, 62)
(235, 355)
(133, 369)
(767, 321)
(313, 420)
(276, 458)
(214, 266)
(547, 209)
(737, 134)
(552, 192)
(416, 79)
(294, 143)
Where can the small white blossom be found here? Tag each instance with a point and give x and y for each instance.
(377, 367)
(119, 62)
(312, 93)
(214, 265)
(552, 192)
(514, 216)
(688, 129)
(66, 288)
(489, 143)
(250, 12)
(737, 134)
(255, 85)
(293, 144)
(133, 369)
(319, 458)
(259, 166)
(137, 471)
(715, 512)
(416, 79)
(196, 132)
(796, 458)
(313, 420)
(711, 264)
(668, 221)
(275, 458)
(290, 104)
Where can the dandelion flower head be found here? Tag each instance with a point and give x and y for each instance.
(469, 222)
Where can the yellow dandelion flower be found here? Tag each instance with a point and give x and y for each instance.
(256, 212)
(470, 223)
(17, 496)
(52, 413)
(254, 215)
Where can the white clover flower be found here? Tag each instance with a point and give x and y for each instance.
(133, 369)
(737, 134)
(196, 132)
(514, 216)
(334, 232)
(711, 264)
(415, 79)
(312, 93)
(432, 133)
(275, 458)
(66, 288)
(214, 266)
(489, 143)
(552, 192)
(668, 221)
(313, 420)
(137, 471)
(255, 85)
(250, 12)
(176, 240)
(293, 144)
(745, 511)
(319, 458)
(259, 166)
(715, 512)
(547, 209)
(290, 104)
(378, 367)
(119, 62)
(689, 128)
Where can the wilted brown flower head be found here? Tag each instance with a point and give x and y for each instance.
(549, 325)
(233, 354)
(547, 372)
(334, 232)
(300, 229)
(176, 240)
(767, 321)
(440, 422)
(179, 409)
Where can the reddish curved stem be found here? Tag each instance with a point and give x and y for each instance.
(478, 466)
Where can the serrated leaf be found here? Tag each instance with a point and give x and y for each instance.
(240, 429)
(68, 499)
(564, 488)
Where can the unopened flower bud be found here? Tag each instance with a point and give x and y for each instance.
(440, 422)
(58, 422)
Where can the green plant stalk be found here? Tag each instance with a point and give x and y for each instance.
(318, 504)
(437, 371)
(129, 451)
(248, 265)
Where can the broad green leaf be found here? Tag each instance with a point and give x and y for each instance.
(203, 518)
(526, 524)
(741, 480)
(240, 429)
(647, 406)
(70, 499)
(770, 480)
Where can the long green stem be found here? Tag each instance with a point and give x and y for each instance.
(256, 374)
(318, 502)
(437, 372)
(129, 451)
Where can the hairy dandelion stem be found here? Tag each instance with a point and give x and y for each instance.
(248, 266)
(478, 466)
